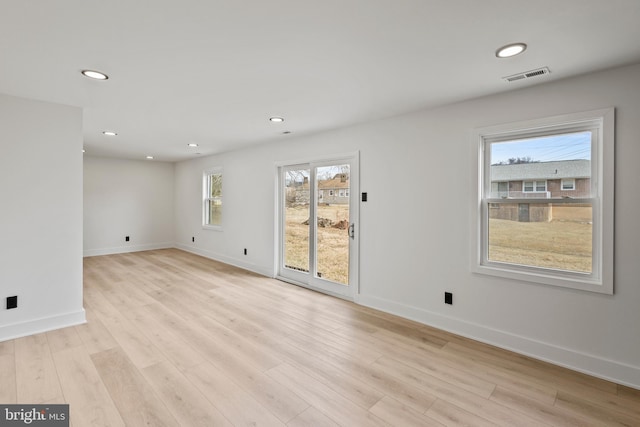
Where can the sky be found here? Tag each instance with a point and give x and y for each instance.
(545, 149)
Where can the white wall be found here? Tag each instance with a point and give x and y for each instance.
(412, 252)
(247, 218)
(127, 198)
(40, 216)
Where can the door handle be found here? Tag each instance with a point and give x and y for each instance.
(352, 231)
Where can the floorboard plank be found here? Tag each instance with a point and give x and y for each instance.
(81, 384)
(63, 339)
(449, 414)
(600, 415)
(8, 390)
(139, 348)
(397, 414)
(233, 402)
(187, 404)
(7, 348)
(551, 415)
(336, 407)
(36, 375)
(133, 396)
(312, 418)
(471, 402)
(173, 347)
(94, 334)
(420, 356)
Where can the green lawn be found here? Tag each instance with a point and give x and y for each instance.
(563, 245)
(333, 243)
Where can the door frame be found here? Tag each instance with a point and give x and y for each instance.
(307, 280)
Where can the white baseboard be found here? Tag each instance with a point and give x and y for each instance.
(46, 324)
(599, 367)
(225, 259)
(127, 248)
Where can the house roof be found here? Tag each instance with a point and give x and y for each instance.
(542, 170)
(335, 182)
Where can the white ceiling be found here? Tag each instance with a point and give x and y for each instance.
(213, 71)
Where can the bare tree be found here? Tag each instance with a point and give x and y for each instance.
(516, 161)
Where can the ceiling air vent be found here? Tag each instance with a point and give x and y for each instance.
(527, 74)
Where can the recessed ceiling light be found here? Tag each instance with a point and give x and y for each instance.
(192, 144)
(276, 119)
(97, 75)
(109, 133)
(149, 157)
(509, 50)
(83, 150)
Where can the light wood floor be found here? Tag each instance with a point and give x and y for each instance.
(173, 339)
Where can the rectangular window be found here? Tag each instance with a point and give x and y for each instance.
(568, 184)
(535, 186)
(500, 189)
(212, 199)
(538, 234)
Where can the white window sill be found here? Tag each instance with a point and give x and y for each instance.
(584, 282)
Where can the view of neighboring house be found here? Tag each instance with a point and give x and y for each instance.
(334, 190)
(539, 180)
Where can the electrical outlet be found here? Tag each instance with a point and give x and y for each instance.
(12, 302)
(448, 298)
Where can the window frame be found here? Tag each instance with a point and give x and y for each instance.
(534, 186)
(601, 122)
(573, 184)
(206, 190)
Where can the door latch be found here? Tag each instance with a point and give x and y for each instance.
(352, 231)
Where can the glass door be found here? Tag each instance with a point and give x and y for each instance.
(318, 239)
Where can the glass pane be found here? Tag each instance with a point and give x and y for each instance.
(332, 239)
(213, 203)
(296, 219)
(215, 185)
(214, 208)
(548, 235)
(568, 184)
(536, 167)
